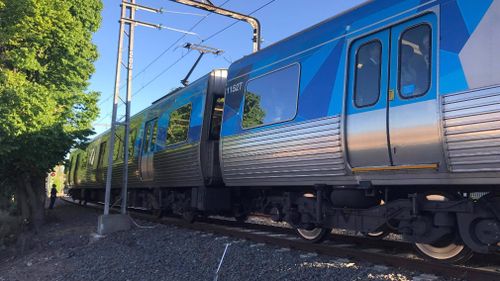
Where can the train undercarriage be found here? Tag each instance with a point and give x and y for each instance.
(445, 226)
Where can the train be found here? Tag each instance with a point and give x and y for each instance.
(383, 119)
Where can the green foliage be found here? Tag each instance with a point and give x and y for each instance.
(253, 114)
(178, 126)
(46, 59)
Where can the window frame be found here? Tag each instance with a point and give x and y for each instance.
(131, 143)
(269, 73)
(92, 156)
(431, 59)
(146, 147)
(101, 157)
(75, 176)
(170, 121)
(355, 86)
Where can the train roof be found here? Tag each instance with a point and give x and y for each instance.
(176, 92)
(337, 27)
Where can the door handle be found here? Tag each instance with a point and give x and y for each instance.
(391, 95)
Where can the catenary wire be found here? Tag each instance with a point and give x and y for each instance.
(183, 56)
(139, 73)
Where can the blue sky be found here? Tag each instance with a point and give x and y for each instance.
(279, 20)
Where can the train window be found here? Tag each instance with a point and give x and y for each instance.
(150, 135)
(71, 169)
(102, 154)
(131, 142)
(118, 147)
(178, 126)
(415, 61)
(91, 157)
(147, 138)
(216, 121)
(75, 175)
(154, 135)
(367, 74)
(272, 98)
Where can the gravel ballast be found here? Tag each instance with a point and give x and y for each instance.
(66, 250)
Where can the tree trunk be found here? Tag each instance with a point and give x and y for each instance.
(35, 202)
(22, 202)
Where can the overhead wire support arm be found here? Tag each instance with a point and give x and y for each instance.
(235, 15)
(144, 8)
(203, 50)
(141, 23)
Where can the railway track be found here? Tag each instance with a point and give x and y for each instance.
(388, 252)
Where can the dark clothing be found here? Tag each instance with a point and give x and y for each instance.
(53, 196)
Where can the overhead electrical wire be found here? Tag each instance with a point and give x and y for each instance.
(140, 72)
(205, 40)
(184, 55)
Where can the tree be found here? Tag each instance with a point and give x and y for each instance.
(253, 114)
(46, 59)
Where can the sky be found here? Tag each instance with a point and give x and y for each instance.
(160, 62)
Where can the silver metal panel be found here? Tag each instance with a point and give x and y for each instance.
(178, 167)
(472, 130)
(414, 133)
(295, 154)
(367, 139)
(479, 57)
(147, 166)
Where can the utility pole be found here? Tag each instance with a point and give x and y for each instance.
(203, 50)
(108, 223)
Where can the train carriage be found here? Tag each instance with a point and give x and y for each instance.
(173, 144)
(385, 118)
(304, 110)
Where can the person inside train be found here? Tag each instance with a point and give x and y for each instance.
(415, 65)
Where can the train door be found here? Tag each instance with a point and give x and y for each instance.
(391, 110)
(147, 150)
(366, 106)
(100, 161)
(413, 104)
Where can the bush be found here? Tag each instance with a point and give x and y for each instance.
(10, 227)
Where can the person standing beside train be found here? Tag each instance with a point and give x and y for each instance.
(53, 196)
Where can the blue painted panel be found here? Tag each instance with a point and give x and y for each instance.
(454, 33)
(452, 77)
(473, 11)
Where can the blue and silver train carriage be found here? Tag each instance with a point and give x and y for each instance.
(385, 118)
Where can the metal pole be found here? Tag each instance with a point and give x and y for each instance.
(127, 109)
(111, 140)
(185, 81)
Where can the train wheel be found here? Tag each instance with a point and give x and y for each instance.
(313, 235)
(446, 251)
(378, 234)
(449, 249)
(381, 233)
